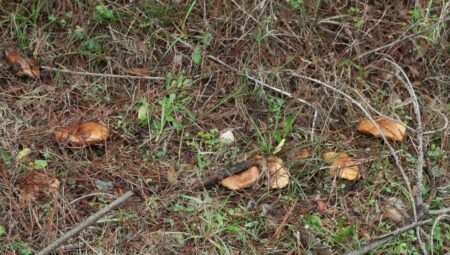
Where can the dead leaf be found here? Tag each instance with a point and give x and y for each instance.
(21, 65)
(321, 205)
(341, 165)
(395, 210)
(391, 129)
(82, 133)
(172, 175)
(37, 186)
(243, 179)
(300, 154)
(141, 71)
(278, 174)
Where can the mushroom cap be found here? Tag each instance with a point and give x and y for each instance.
(391, 129)
(83, 133)
(37, 185)
(278, 173)
(243, 179)
(342, 165)
(22, 65)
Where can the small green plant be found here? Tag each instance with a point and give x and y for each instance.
(39, 164)
(143, 112)
(423, 23)
(6, 157)
(174, 105)
(355, 13)
(344, 232)
(90, 45)
(197, 56)
(61, 21)
(209, 141)
(102, 14)
(314, 222)
(20, 247)
(434, 152)
(206, 38)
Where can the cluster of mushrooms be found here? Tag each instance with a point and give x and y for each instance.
(272, 167)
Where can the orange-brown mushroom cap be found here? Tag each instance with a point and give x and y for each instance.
(342, 165)
(37, 185)
(84, 133)
(22, 65)
(243, 179)
(278, 173)
(391, 129)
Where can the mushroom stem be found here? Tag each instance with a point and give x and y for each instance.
(229, 171)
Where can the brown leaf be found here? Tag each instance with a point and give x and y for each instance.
(20, 64)
(391, 129)
(300, 154)
(37, 186)
(341, 165)
(395, 210)
(243, 179)
(82, 133)
(278, 174)
(172, 175)
(139, 71)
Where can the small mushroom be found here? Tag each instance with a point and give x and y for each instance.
(243, 179)
(391, 129)
(278, 173)
(342, 165)
(83, 133)
(21, 65)
(37, 186)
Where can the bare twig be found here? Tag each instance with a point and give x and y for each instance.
(441, 217)
(420, 156)
(53, 69)
(384, 238)
(419, 132)
(439, 211)
(261, 82)
(280, 227)
(89, 221)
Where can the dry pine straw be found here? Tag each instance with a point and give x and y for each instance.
(247, 50)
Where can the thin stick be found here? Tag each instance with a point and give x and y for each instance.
(441, 217)
(439, 211)
(154, 78)
(383, 239)
(420, 156)
(261, 82)
(89, 221)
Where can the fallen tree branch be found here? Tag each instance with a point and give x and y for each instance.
(377, 242)
(89, 221)
(439, 211)
(229, 171)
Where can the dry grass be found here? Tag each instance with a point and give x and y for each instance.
(242, 45)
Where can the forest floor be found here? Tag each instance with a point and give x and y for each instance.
(170, 77)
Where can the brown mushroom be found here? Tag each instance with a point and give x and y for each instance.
(20, 64)
(243, 179)
(342, 165)
(37, 186)
(83, 133)
(391, 129)
(278, 173)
